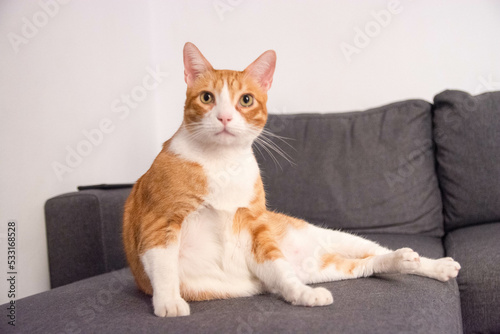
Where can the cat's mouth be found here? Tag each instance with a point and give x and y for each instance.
(224, 132)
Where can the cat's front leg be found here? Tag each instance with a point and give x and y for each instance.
(162, 267)
(279, 277)
(270, 265)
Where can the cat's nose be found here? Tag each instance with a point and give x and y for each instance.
(224, 119)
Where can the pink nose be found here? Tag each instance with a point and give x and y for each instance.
(224, 119)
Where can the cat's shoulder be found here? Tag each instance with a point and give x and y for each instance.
(170, 170)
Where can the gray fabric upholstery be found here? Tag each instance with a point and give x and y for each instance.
(477, 249)
(367, 172)
(84, 234)
(467, 136)
(426, 246)
(110, 303)
(372, 173)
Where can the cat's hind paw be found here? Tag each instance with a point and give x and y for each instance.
(445, 269)
(175, 307)
(407, 260)
(313, 297)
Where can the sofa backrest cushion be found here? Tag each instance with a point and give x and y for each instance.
(467, 136)
(371, 171)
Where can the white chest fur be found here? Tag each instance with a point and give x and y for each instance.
(231, 172)
(209, 245)
(231, 182)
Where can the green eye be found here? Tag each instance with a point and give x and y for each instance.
(246, 100)
(206, 97)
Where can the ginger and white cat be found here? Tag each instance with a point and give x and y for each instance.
(196, 226)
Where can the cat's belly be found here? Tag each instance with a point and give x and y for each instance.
(212, 261)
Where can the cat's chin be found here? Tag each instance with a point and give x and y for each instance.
(227, 139)
(224, 132)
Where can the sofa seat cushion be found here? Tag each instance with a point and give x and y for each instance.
(467, 136)
(368, 172)
(111, 303)
(477, 249)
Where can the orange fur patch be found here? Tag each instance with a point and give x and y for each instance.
(266, 228)
(156, 207)
(192, 295)
(341, 263)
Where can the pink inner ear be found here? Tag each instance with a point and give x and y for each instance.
(262, 69)
(195, 63)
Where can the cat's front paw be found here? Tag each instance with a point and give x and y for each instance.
(170, 307)
(446, 268)
(312, 297)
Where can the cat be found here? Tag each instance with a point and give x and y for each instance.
(196, 226)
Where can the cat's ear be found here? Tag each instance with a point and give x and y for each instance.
(262, 69)
(194, 63)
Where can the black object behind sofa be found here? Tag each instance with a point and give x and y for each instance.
(406, 174)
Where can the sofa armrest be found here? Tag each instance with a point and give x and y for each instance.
(84, 233)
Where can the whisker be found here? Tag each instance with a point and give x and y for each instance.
(272, 145)
(276, 162)
(260, 152)
(274, 148)
(281, 138)
(263, 139)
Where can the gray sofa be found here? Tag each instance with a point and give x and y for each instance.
(411, 173)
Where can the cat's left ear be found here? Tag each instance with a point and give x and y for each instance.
(262, 69)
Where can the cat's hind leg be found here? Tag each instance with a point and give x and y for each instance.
(340, 255)
(442, 269)
(406, 261)
(335, 266)
(338, 266)
(321, 255)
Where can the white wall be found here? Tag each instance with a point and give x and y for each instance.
(428, 46)
(91, 54)
(62, 82)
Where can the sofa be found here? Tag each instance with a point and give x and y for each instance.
(408, 174)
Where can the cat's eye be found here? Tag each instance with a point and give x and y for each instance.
(246, 100)
(206, 97)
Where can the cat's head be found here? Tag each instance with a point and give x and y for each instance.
(226, 107)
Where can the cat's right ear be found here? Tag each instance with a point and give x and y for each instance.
(194, 63)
